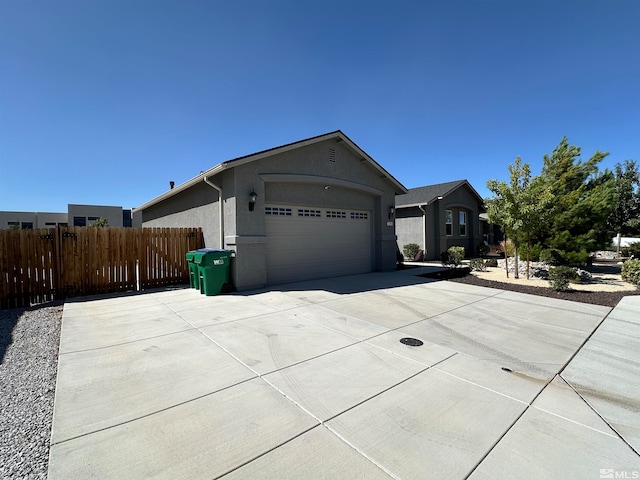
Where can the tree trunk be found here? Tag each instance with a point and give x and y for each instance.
(515, 244)
(618, 251)
(506, 256)
(528, 253)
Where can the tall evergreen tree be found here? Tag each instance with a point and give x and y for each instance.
(583, 200)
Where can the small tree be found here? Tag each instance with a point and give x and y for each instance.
(504, 208)
(100, 222)
(518, 207)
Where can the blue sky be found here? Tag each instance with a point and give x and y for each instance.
(105, 102)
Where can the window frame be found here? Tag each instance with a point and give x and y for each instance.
(462, 223)
(448, 222)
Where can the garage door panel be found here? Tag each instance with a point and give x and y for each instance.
(305, 247)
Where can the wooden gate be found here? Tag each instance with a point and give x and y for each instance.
(39, 265)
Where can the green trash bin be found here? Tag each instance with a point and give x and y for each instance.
(213, 270)
(194, 276)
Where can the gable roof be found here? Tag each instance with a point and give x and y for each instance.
(338, 135)
(430, 193)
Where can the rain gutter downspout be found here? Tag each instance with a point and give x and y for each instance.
(424, 230)
(220, 210)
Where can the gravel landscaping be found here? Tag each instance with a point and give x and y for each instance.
(29, 339)
(594, 296)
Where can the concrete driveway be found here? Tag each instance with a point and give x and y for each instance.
(311, 381)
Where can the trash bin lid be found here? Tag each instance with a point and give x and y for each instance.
(210, 253)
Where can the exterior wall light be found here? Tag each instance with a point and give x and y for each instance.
(392, 212)
(253, 196)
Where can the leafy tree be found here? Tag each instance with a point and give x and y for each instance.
(518, 207)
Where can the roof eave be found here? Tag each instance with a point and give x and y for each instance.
(338, 134)
(189, 183)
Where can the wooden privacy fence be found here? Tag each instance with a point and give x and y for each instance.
(54, 263)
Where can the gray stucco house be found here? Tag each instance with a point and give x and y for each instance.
(440, 216)
(314, 208)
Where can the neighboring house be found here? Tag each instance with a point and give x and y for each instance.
(77, 215)
(20, 220)
(84, 215)
(314, 208)
(440, 216)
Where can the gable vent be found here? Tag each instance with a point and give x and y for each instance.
(332, 155)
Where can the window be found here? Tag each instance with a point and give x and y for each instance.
(13, 224)
(448, 215)
(359, 216)
(27, 225)
(277, 211)
(463, 224)
(126, 218)
(336, 214)
(305, 212)
(79, 221)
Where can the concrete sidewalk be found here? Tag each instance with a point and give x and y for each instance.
(310, 380)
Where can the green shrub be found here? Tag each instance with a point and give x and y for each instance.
(552, 256)
(456, 255)
(410, 250)
(483, 250)
(452, 257)
(477, 264)
(577, 259)
(560, 277)
(631, 271)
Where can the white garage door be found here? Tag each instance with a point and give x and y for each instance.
(305, 243)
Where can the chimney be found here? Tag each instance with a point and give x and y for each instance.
(171, 184)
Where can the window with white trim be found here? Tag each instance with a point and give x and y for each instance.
(463, 224)
(448, 215)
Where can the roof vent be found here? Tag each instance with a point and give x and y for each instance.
(332, 154)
